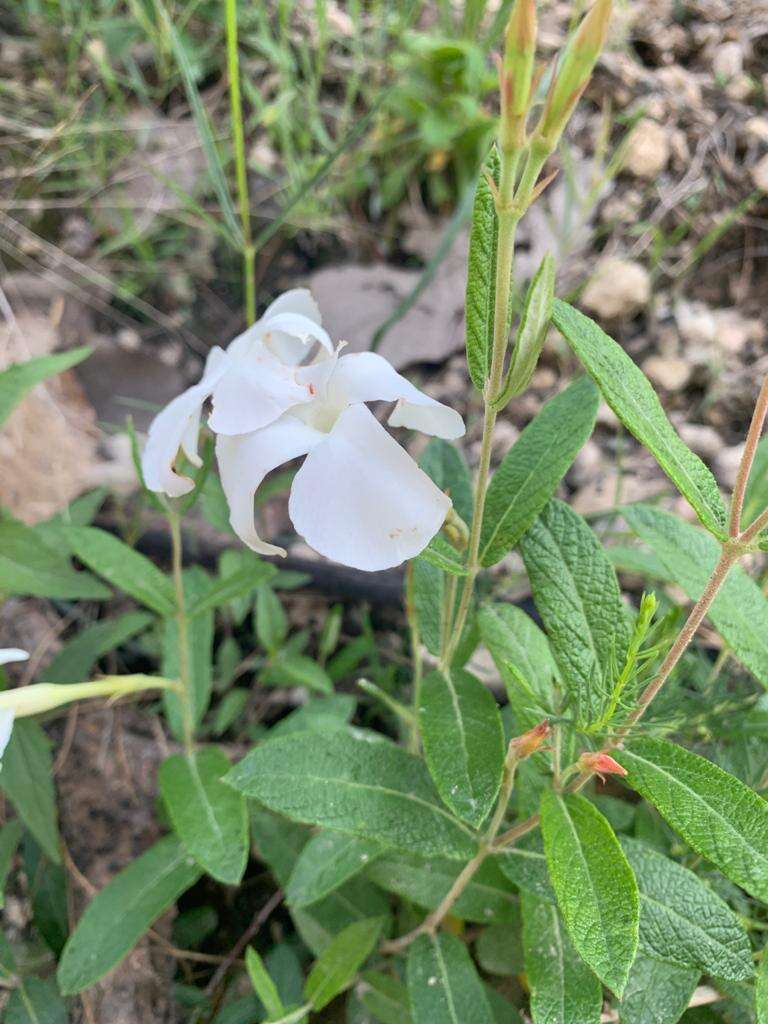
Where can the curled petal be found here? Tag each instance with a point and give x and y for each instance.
(296, 300)
(6, 727)
(177, 427)
(281, 333)
(245, 460)
(361, 500)
(257, 389)
(9, 654)
(368, 377)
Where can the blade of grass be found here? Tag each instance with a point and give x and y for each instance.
(203, 125)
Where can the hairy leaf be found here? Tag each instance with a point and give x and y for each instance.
(596, 890)
(385, 998)
(523, 658)
(720, 817)
(683, 921)
(740, 610)
(357, 783)
(209, 817)
(30, 566)
(443, 984)
(77, 657)
(446, 466)
(118, 916)
(328, 861)
(338, 964)
(629, 393)
(577, 595)
(36, 1001)
(526, 867)
(461, 730)
(26, 778)
(533, 467)
(657, 993)
(563, 989)
(481, 275)
(123, 567)
(487, 899)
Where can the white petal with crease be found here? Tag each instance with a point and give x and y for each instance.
(368, 377)
(244, 461)
(176, 427)
(9, 654)
(255, 392)
(361, 500)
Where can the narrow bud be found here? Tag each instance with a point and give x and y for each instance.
(517, 72)
(531, 741)
(601, 764)
(575, 69)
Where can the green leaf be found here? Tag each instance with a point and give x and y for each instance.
(756, 496)
(327, 861)
(118, 916)
(499, 948)
(36, 1001)
(200, 647)
(209, 817)
(443, 984)
(47, 891)
(481, 275)
(720, 817)
(563, 989)
(443, 556)
(534, 321)
(262, 983)
(29, 567)
(534, 466)
(460, 727)
(228, 588)
(10, 836)
(523, 658)
(527, 868)
(353, 782)
(446, 466)
(318, 925)
(289, 669)
(657, 993)
(338, 964)
(385, 997)
(271, 620)
(596, 890)
(577, 595)
(123, 567)
(278, 841)
(319, 714)
(761, 990)
(502, 1011)
(683, 921)
(428, 586)
(487, 899)
(26, 778)
(629, 393)
(740, 610)
(20, 378)
(75, 660)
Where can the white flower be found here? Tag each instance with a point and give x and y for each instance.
(251, 385)
(7, 655)
(358, 498)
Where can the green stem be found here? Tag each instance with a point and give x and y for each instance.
(185, 677)
(238, 138)
(413, 625)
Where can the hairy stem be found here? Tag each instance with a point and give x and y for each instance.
(238, 139)
(413, 626)
(185, 676)
(745, 465)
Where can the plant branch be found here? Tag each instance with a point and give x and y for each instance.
(748, 457)
(185, 676)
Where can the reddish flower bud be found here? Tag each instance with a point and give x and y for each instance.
(530, 741)
(601, 764)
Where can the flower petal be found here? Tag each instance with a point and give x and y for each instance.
(361, 500)
(288, 327)
(295, 300)
(176, 426)
(256, 391)
(6, 727)
(245, 460)
(9, 654)
(368, 377)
